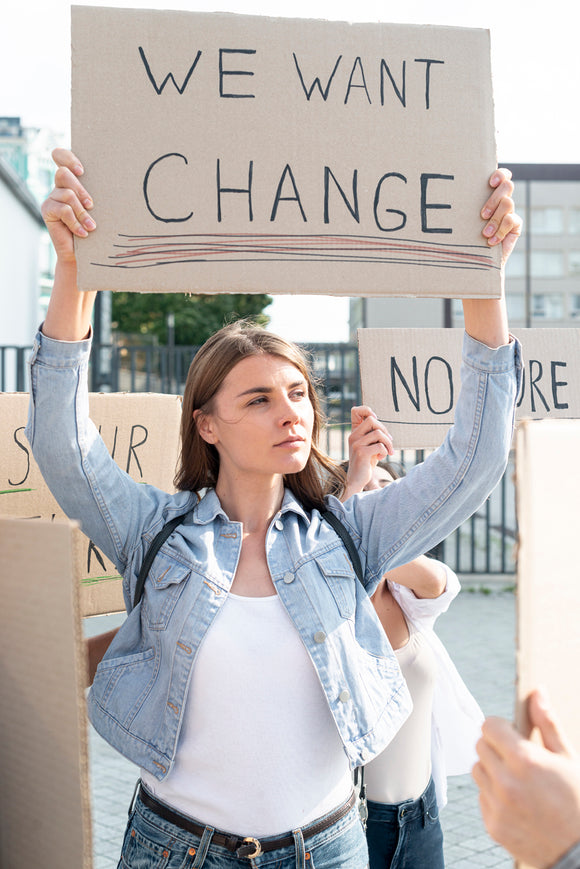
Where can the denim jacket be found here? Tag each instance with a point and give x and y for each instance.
(139, 692)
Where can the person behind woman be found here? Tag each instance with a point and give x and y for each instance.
(254, 674)
(406, 784)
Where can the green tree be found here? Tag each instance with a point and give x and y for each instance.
(196, 317)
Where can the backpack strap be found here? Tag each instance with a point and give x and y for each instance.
(154, 548)
(170, 527)
(347, 540)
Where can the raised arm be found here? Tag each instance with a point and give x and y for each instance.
(66, 214)
(486, 319)
(368, 443)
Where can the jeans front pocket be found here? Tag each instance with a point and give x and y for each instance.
(140, 852)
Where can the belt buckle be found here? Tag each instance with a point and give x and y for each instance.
(250, 840)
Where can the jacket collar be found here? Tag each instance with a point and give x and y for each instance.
(209, 508)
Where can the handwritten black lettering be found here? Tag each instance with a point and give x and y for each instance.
(133, 447)
(426, 177)
(287, 173)
(534, 384)
(21, 446)
(169, 76)
(92, 550)
(224, 72)
(414, 397)
(324, 91)
(247, 190)
(449, 372)
(328, 174)
(556, 383)
(401, 94)
(428, 62)
(376, 204)
(146, 190)
(357, 65)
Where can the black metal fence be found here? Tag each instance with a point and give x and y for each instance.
(481, 546)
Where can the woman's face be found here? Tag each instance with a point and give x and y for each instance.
(380, 478)
(262, 418)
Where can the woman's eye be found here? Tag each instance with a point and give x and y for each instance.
(261, 399)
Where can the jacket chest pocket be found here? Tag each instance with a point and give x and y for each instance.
(340, 579)
(163, 588)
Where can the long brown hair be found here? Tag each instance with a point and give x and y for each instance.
(198, 464)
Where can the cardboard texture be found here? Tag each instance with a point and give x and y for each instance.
(417, 393)
(277, 155)
(548, 576)
(44, 798)
(141, 432)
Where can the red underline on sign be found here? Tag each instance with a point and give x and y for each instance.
(149, 251)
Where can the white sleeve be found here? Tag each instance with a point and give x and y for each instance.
(422, 612)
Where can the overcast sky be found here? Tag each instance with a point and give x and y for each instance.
(534, 61)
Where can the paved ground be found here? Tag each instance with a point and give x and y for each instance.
(479, 633)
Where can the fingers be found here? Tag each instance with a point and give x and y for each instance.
(498, 211)
(63, 157)
(360, 413)
(542, 717)
(64, 206)
(368, 431)
(69, 202)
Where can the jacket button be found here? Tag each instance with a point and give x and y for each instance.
(344, 696)
(365, 754)
(319, 637)
(288, 577)
(279, 524)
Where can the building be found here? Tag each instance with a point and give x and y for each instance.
(20, 244)
(542, 275)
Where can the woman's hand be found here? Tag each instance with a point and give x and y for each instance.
(65, 211)
(503, 225)
(369, 442)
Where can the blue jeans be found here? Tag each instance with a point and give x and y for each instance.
(154, 843)
(407, 835)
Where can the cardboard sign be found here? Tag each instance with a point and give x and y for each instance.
(234, 153)
(142, 434)
(44, 799)
(548, 576)
(411, 379)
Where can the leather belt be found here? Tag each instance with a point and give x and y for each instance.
(243, 846)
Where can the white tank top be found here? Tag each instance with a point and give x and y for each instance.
(259, 753)
(402, 770)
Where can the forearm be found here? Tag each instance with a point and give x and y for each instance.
(486, 321)
(69, 311)
(423, 576)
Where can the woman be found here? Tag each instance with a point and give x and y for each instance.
(406, 784)
(254, 673)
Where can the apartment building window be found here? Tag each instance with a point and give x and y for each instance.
(547, 264)
(574, 262)
(516, 306)
(547, 306)
(516, 265)
(575, 305)
(574, 221)
(547, 221)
